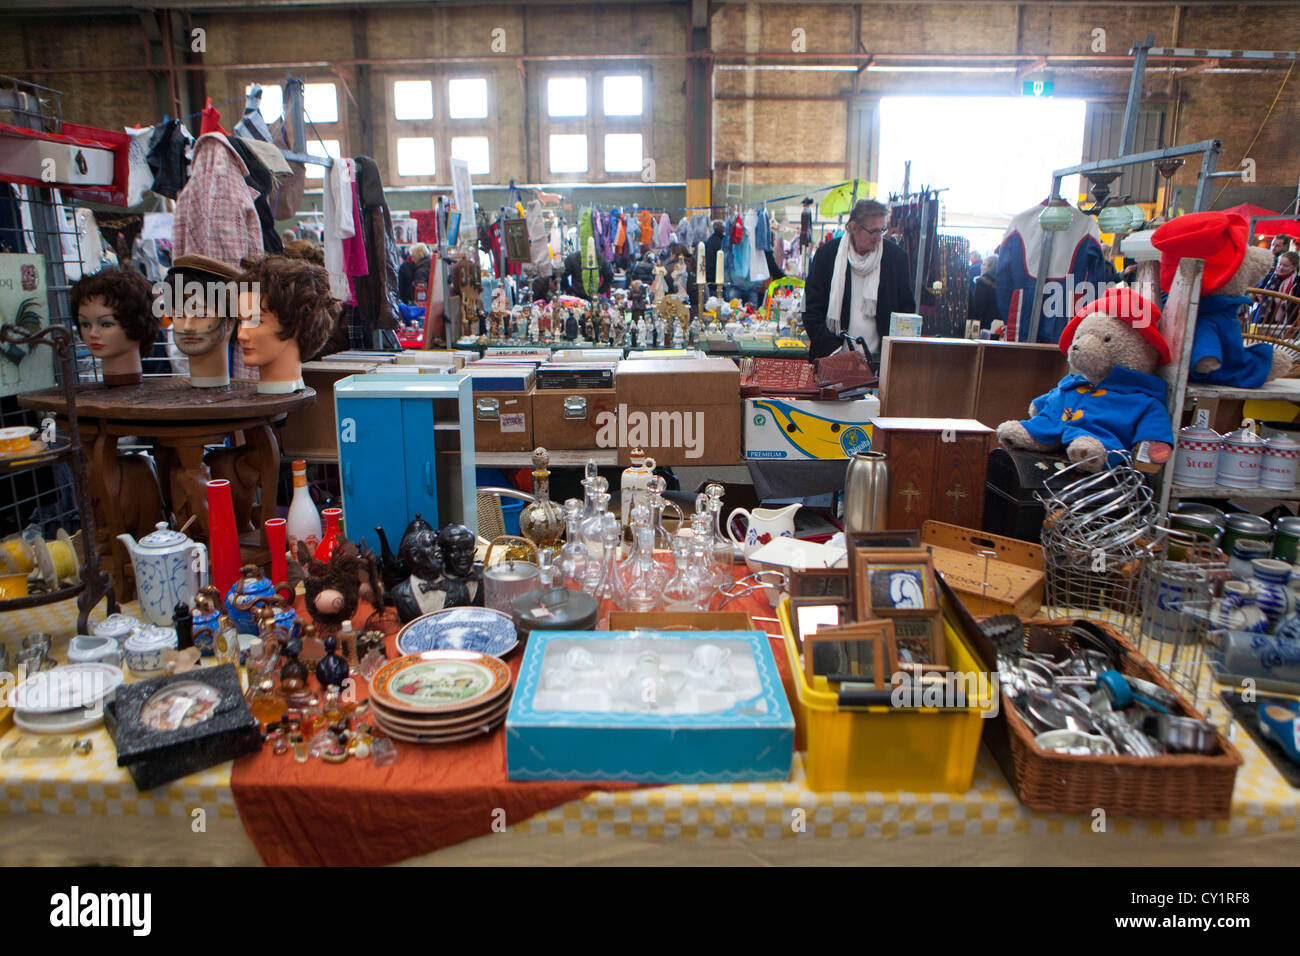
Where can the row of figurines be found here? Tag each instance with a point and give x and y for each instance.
(609, 326)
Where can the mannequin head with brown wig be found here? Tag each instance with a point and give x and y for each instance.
(286, 314)
(115, 316)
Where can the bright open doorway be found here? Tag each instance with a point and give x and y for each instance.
(995, 154)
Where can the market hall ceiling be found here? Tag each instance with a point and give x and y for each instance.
(198, 6)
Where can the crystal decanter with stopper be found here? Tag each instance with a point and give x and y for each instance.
(542, 521)
(593, 537)
(681, 592)
(703, 571)
(628, 568)
(723, 555)
(608, 585)
(642, 587)
(597, 504)
(573, 556)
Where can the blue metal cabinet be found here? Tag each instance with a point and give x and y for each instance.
(389, 466)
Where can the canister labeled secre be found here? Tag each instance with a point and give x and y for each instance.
(1277, 469)
(1239, 459)
(1196, 460)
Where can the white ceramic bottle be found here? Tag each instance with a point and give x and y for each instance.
(304, 519)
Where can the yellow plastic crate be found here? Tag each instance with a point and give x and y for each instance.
(920, 750)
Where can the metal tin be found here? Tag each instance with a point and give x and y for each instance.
(504, 582)
(1286, 543)
(1278, 467)
(1239, 459)
(1196, 525)
(1216, 516)
(1240, 526)
(1196, 458)
(555, 609)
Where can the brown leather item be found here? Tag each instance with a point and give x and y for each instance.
(843, 371)
(937, 469)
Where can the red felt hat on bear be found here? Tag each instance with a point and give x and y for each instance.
(1217, 237)
(1132, 308)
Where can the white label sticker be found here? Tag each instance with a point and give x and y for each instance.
(1202, 418)
(513, 422)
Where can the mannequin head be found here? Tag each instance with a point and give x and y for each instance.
(114, 309)
(286, 314)
(202, 306)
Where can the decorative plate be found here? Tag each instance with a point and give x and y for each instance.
(66, 723)
(415, 737)
(481, 629)
(412, 724)
(433, 682)
(70, 687)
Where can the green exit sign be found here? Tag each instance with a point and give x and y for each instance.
(1037, 88)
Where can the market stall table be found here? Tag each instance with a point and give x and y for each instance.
(83, 810)
(182, 420)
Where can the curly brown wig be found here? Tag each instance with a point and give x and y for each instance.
(299, 295)
(306, 250)
(129, 295)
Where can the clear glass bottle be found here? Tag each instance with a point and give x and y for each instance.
(548, 572)
(573, 556)
(641, 520)
(608, 585)
(642, 586)
(723, 555)
(702, 571)
(681, 593)
(541, 521)
(593, 535)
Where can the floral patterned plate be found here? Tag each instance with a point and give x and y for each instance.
(440, 682)
(481, 629)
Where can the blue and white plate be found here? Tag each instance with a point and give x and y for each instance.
(479, 629)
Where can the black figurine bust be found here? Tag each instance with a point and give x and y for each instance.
(570, 326)
(332, 669)
(462, 579)
(421, 592)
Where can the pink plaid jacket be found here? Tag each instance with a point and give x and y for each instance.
(214, 212)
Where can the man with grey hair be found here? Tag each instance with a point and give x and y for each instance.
(855, 283)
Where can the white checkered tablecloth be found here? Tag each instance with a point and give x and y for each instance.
(94, 786)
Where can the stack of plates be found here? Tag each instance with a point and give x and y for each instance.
(440, 696)
(66, 699)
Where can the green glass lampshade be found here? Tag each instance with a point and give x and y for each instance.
(1139, 217)
(1115, 219)
(1056, 217)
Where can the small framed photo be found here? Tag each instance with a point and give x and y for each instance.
(912, 649)
(854, 653)
(809, 614)
(821, 582)
(894, 580)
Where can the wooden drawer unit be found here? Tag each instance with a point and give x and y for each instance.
(937, 469)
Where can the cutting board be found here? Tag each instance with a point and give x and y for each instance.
(1015, 574)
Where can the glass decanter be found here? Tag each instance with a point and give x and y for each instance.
(593, 526)
(723, 555)
(654, 499)
(541, 521)
(681, 593)
(702, 571)
(608, 586)
(573, 556)
(642, 587)
(548, 572)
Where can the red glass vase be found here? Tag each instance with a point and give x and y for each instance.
(223, 539)
(276, 535)
(329, 539)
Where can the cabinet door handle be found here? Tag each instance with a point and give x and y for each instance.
(347, 477)
(428, 478)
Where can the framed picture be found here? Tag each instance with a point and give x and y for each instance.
(516, 240)
(854, 653)
(453, 228)
(891, 579)
(915, 650)
(821, 582)
(808, 614)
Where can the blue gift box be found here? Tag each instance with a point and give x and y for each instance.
(619, 722)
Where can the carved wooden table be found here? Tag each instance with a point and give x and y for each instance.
(182, 420)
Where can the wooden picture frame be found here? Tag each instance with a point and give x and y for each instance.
(821, 582)
(515, 237)
(863, 560)
(844, 615)
(853, 653)
(865, 545)
(912, 625)
(904, 656)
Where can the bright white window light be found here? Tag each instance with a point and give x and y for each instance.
(330, 147)
(467, 98)
(623, 96)
(413, 100)
(566, 96)
(415, 156)
(272, 101)
(623, 152)
(321, 102)
(568, 153)
(476, 150)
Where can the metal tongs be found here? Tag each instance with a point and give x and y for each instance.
(757, 581)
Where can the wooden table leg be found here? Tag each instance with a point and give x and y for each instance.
(266, 454)
(104, 483)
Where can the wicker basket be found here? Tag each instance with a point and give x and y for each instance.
(1183, 786)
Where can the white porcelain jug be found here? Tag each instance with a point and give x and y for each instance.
(764, 525)
(169, 570)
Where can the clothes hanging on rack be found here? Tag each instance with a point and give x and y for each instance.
(336, 184)
(289, 192)
(166, 157)
(215, 212)
(538, 236)
(139, 175)
(259, 178)
(645, 229)
(354, 246)
(755, 250)
(663, 231)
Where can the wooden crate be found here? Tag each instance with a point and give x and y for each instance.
(1015, 576)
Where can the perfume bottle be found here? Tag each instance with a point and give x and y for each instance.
(541, 521)
(332, 669)
(267, 706)
(681, 592)
(573, 556)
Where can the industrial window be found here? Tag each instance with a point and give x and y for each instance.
(429, 119)
(595, 124)
(322, 109)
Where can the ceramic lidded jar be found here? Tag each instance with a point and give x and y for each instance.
(1239, 459)
(1196, 460)
(1278, 467)
(249, 592)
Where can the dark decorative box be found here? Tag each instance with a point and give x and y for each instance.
(169, 727)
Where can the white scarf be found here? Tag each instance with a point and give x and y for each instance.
(866, 267)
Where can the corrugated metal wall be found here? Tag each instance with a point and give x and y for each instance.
(1102, 130)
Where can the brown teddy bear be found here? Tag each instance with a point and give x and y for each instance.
(1111, 401)
(1232, 265)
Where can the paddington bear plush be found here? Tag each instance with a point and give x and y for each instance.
(1232, 265)
(1111, 401)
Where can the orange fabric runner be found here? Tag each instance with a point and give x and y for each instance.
(357, 814)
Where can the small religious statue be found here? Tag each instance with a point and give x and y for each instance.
(695, 331)
(604, 325)
(588, 333)
(533, 326)
(661, 332)
(644, 333)
(115, 316)
(636, 297)
(466, 279)
(494, 327)
(617, 330)
(659, 287)
(500, 300)
(678, 340)
(545, 323)
(570, 324)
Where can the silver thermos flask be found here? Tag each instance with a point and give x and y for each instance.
(866, 492)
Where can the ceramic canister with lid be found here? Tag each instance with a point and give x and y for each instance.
(1196, 460)
(1242, 525)
(1244, 552)
(1239, 459)
(1286, 543)
(1277, 469)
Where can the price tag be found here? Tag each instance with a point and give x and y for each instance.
(1202, 418)
(513, 422)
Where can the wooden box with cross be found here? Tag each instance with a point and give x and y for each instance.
(937, 469)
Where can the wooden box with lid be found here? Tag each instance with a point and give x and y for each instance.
(937, 469)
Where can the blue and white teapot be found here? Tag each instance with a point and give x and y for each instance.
(169, 569)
